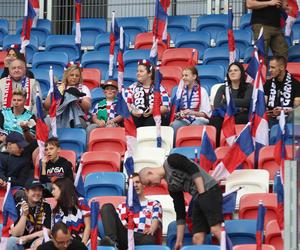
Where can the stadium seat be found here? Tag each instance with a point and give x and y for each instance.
(97, 94)
(31, 48)
(3, 29)
(151, 247)
(171, 76)
(70, 155)
(296, 32)
(133, 25)
(202, 247)
(106, 161)
(177, 24)
(238, 130)
(72, 139)
(266, 159)
(273, 235)
(219, 56)
(90, 28)
(91, 78)
(129, 76)
(58, 61)
(210, 75)
(131, 57)
(293, 53)
(245, 22)
(63, 43)
(108, 139)
(213, 92)
(288, 133)
(146, 137)
(192, 135)
(11, 39)
(2, 57)
(42, 75)
(102, 42)
(182, 57)
(115, 200)
(253, 247)
(242, 39)
(104, 184)
(213, 23)
(189, 152)
(161, 189)
(199, 40)
(293, 68)
(248, 181)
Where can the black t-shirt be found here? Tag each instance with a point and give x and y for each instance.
(75, 245)
(62, 168)
(267, 16)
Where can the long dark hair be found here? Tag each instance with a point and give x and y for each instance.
(68, 197)
(243, 84)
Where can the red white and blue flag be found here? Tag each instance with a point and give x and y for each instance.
(291, 16)
(78, 182)
(241, 149)
(94, 224)
(176, 101)
(231, 43)
(77, 21)
(260, 225)
(207, 153)
(229, 201)
(278, 189)
(225, 242)
(156, 106)
(29, 15)
(36, 7)
(112, 38)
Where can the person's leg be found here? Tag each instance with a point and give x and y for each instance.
(278, 44)
(12, 244)
(176, 125)
(217, 122)
(148, 121)
(242, 118)
(89, 130)
(144, 239)
(267, 37)
(200, 121)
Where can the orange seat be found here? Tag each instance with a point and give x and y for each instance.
(115, 200)
(157, 190)
(91, 77)
(171, 76)
(182, 57)
(266, 159)
(238, 129)
(145, 41)
(105, 161)
(2, 57)
(249, 206)
(192, 135)
(252, 247)
(222, 151)
(273, 235)
(108, 139)
(293, 68)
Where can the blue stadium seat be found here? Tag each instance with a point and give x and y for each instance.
(242, 38)
(248, 54)
(210, 75)
(129, 76)
(177, 24)
(189, 152)
(219, 56)
(245, 22)
(104, 184)
(3, 29)
(102, 247)
(97, 94)
(201, 247)
(90, 28)
(63, 43)
(294, 53)
(58, 61)
(72, 139)
(199, 40)
(288, 134)
(151, 247)
(102, 42)
(131, 57)
(42, 75)
(213, 24)
(296, 32)
(11, 39)
(133, 25)
(241, 231)
(31, 48)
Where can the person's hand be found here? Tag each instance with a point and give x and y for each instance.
(23, 240)
(24, 124)
(178, 245)
(148, 112)
(152, 229)
(186, 112)
(2, 183)
(276, 3)
(45, 160)
(276, 111)
(25, 208)
(136, 112)
(101, 123)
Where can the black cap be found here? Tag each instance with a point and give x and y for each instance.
(75, 92)
(16, 137)
(32, 183)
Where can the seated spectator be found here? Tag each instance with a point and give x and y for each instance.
(281, 91)
(17, 161)
(241, 93)
(62, 239)
(194, 107)
(70, 210)
(54, 165)
(15, 80)
(33, 215)
(146, 222)
(140, 96)
(14, 53)
(18, 118)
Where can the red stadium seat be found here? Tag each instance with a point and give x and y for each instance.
(171, 76)
(2, 57)
(157, 190)
(238, 129)
(145, 41)
(266, 159)
(108, 139)
(105, 161)
(115, 200)
(182, 57)
(249, 206)
(252, 247)
(293, 68)
(91, 77)
(273, 235)
(192, 135)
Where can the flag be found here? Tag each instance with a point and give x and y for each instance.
(77, 21)
(196, 154)
(225, 242)
(228, 126)
(120, 59)
(94, 224)
(241, 149)
(156, 106)
(42, 133)
(112, 38)
(229, 201)
(231, 43)
(9, 213)
(260, 225)
(78, 182)
(29, 15)
(36, 7)
(291, 17)
(278, 189)
(207, 153)
(176, 101)
(159, 28)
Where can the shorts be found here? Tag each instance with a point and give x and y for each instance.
(207, 210)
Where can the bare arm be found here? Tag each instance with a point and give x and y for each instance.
(87, 229)
(254, 5)
(180, 235)
(199, 184)
(85, 104)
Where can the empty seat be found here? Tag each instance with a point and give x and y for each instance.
(91, 78)
(273, 235)
(102, 42)
(3, 29)
(161, 189)
(293, 68)
(115, 200)
(245, 22)
(293, 53)
(219, 56)
(189, 152)
(171, 76)
(129, 76)
(296, 32)
(182, 57)
(131, 57)
(11, 39)
(97, 95)
(177, 24)
(70, 155)
(253, 247)
(31, 48)
(42, 75)
(288, 134)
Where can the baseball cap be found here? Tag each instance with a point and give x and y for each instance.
(16, 137)
(110, 83)
(32, 183)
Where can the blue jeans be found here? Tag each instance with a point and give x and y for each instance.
(12, 244)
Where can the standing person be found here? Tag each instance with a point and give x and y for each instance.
(146, 222)
(267, 14)
(183, 175)
(33, 215)
(140, 96)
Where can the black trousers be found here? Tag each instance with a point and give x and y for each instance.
(114, 228)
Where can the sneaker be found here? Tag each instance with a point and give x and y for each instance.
(107, 241)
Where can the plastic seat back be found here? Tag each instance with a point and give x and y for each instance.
(177, 24)
(293, 68)
(171, 76)
(131, 57)
(3, 29)
(182, 57)
(245, 22)
(97, 95)
(42, 76)
(293, 53)
(91, 78)
(273, 235)
(11, 39)
(102, 42)
(31, 48)
(2, 57)
(189, 152)
(115, 200)
(219, 56)
(253, 247)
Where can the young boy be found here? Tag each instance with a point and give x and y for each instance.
(54, 165)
